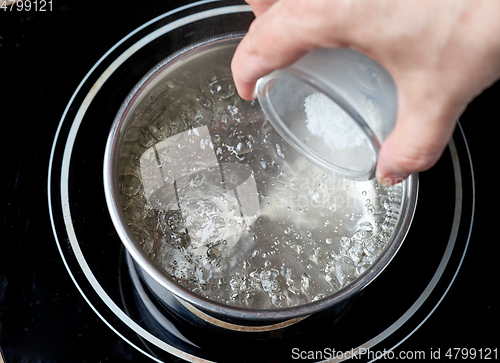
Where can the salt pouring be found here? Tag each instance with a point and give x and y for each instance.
(335, 106)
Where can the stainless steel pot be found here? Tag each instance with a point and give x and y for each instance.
(150, 100)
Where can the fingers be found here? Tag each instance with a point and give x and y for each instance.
(284, 32)
(417, 141)
(440, 54)
(277, 38)
(266, 47)
(260, 6)
(398, 157)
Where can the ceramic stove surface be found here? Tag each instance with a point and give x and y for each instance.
(68, 292)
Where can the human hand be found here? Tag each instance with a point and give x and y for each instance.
(441, 55)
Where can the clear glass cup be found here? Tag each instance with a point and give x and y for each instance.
(343, 140)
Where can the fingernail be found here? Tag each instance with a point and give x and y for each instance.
(391, 179)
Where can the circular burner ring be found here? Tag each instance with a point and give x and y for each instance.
(61, 209)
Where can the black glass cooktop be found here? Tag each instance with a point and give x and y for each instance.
(68, 292)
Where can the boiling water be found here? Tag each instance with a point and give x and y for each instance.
(227, 209)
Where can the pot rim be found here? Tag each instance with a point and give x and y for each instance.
(111, 189)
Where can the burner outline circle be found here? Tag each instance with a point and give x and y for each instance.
(74, 242)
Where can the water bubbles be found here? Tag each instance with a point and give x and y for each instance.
(370, 209)
(366, 226)
(142, 237)
(344, 271)
(241, 285)
(301, 235)
(318, 297)
(370, 247)
(360, 269)
(351, 216)
(269, 281)
(356, 252)
(146, 139)
(279, 152)
(130, 185)
(345, 242)
(207, 103)
(244, 145)
(213, 253)
(305, 281)
(361, 235)
(223, 88)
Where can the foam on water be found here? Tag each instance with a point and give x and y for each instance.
(224, 207)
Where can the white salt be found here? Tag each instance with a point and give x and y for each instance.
(330, 122)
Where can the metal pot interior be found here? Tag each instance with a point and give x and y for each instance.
(213, 204)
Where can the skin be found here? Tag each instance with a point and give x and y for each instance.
(441, 54)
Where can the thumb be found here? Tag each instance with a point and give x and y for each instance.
(417, 141)
(280, 36)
